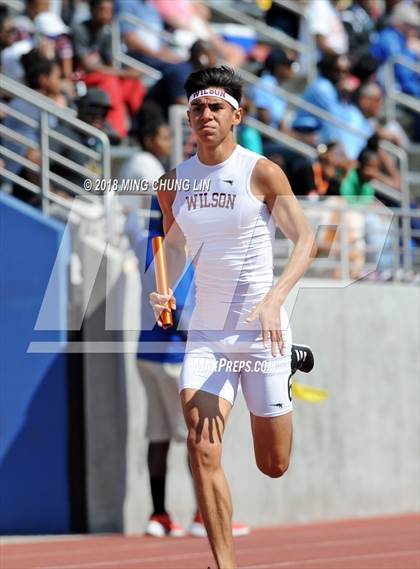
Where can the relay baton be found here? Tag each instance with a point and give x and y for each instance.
(161, 274)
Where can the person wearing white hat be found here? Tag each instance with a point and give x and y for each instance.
(50, 25)
(51, 36)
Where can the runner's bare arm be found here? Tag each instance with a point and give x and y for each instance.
(174, 237)
(268, 182)
(174, 243)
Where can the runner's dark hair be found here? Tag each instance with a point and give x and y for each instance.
(223, 77)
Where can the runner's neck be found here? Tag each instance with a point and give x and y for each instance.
(211, 156)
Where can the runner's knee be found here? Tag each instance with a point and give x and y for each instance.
(274, 469)
(203, 453)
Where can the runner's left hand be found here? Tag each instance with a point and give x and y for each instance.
(268, 311)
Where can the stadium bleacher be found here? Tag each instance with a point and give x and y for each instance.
(102, 53)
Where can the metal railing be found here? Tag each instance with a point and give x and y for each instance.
(16, 5)
(341, 254)
(395, 96)
(119, 57)
(337, 255)
(48, 108)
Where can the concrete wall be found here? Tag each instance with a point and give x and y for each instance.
(104, 389)
(356, 454)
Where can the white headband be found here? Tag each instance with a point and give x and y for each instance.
(214, 92)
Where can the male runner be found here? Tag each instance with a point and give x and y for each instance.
(226, 215)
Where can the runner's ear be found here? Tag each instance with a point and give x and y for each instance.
(237, 116)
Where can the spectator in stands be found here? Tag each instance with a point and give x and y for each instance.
(283, 19)
(248, 136)
(93, 48)
(169, 90)
(42, 75)
(323, 92)
(359, 25)
(154, 136)
(142, 43)
(311, 178)
(17, 46)
(52, 35)
(322, 178)
(7, 29)
(8, 38)
(384, 16)
(307, 128)
(271, 108)
(357, 190)
(401, 38)
(46, 32)
(92, 109)
(353, 117)
(369, 99)
(330, 91)
(325, 23)
(365, 68)
(189, 21)
(277, 70)
(356, 187)
(35, 7)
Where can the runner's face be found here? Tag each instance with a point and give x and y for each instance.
(212, 119)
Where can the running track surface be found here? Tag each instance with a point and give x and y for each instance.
(380, 543)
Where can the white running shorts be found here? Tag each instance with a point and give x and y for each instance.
(219, 362)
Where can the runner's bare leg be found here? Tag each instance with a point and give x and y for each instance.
(206, 416)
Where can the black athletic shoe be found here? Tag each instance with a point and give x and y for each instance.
(302, 358)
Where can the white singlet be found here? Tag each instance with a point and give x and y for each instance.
(230, 234)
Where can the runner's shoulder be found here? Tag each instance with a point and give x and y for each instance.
(269, 178)
(171, 175)
(165, 195)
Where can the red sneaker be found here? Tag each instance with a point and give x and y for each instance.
(162, 526)
(197, 528)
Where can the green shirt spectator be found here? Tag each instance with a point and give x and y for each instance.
(354, 191)
(356, 187)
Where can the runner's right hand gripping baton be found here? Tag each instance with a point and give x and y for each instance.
(161, 274)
